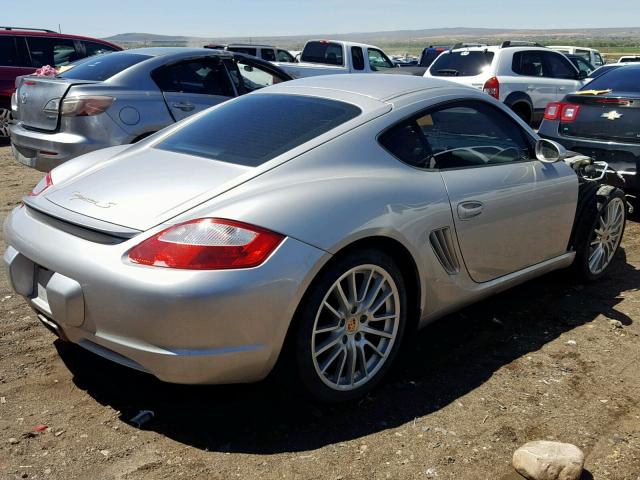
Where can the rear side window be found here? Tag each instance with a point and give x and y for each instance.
(8, 52)
(268, 55)
(358, 58)
(103, 67)
(204, 77)
(528, 63)
(56, 52)
(246, 51)
(94, 48)
(429, 55)
(461, 64)
(625, 79)
(323, 52)
(252, 130)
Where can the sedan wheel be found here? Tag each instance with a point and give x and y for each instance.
(351, 326)
(5, 120)
(606, 235)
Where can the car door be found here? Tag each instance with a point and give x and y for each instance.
(559, 70)
(193, 85)
(529, 64)
(510, 210)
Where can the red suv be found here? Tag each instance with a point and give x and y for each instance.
(23, 50)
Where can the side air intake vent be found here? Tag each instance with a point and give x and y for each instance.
(442, 244)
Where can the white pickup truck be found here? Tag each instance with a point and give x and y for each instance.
(327, 57)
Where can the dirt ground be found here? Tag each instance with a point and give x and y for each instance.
(542, 361)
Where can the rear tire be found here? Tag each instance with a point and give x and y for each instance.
(349, 326)
(600, 233)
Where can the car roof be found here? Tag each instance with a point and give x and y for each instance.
(572, 46)
(499, 48)
(375, 86)
(38, 33)
(250, 45)
(345, 42)
(178, 51)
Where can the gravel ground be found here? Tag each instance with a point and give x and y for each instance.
(551, 359)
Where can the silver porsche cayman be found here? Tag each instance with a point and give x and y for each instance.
(331, 216)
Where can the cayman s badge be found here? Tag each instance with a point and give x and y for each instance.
(97, 203)
(612, 115)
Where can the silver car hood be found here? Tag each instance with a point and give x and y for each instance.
(144, 188)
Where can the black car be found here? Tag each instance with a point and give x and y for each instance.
(602, 120)
(581, 64)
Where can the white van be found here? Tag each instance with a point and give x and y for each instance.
(591, 55)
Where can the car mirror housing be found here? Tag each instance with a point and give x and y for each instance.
(548, 151)
(582, 75)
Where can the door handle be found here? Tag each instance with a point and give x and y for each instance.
(562, 89)
(467, 210)
(184, 106)
(531, 88)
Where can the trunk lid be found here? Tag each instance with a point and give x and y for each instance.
(141, 189)
(34, 94)
(613, 117)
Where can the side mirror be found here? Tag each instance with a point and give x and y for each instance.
(248, 68)
(548, 151)
(582, 75)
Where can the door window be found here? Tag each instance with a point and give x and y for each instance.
(51, 51)
(268, 55)
(245, 50)
(528, 63)
(206, 77)
(255, 77)
(583, 66)
(357, 58)
(598, 60)
(94, 48)
(558, 66)
(378, 60)
(8, 52)
(284, 56)
(459, 135)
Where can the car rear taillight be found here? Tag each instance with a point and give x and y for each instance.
(207, 244)
(42, 185)
(565, 112)
(85, 106)
(492, 87)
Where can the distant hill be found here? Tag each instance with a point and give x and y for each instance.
(409, 39)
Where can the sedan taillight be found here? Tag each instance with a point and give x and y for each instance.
(565, 112)
(85, 106)
(207, 244)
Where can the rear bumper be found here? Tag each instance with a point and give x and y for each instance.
(623, 157)
(182, 326)
(45, 151)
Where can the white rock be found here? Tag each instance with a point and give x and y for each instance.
(544, 460)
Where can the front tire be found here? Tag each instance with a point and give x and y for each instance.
(350, 326)
(600, 242)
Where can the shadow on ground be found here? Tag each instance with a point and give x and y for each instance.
(446, 360)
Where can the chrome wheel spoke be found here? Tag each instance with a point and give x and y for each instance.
(363, 359)
(328, 344)
(353, 360)
(607, 236)
(373, 331)
(327, 363)
(383, 318)
(374, 348)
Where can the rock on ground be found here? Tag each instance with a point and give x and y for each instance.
(543, 460)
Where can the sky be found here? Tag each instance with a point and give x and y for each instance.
(215, 18)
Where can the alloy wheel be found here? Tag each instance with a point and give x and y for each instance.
(607, 235)
(5, 120)
(355, 327)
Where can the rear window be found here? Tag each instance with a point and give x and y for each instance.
(323, 52)
(461, 64)
(103, 67)
(252, 130)
(8, 52)
(625, 79)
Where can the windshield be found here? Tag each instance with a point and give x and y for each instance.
(323, 52)
(254, 129)
(461, 64)
(619, 80)
(102, 67)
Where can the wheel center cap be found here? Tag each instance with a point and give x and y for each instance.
(352, 325)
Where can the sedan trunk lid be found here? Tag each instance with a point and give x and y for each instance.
(38, 101)
(614, 116)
